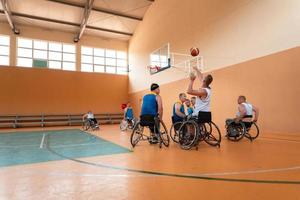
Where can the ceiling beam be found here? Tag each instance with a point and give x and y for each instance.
(103, 10)
(85, 18)
(66, 23)
(8, 15)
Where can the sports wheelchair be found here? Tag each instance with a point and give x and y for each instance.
(237, 130)
(190, 132)
(153, 132)
(90, 124)
(127, 124)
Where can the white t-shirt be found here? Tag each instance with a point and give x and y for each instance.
(248, 108)
(202, 104)
(90, 116)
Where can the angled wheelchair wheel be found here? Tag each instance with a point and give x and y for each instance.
(163, 134)
(136, 135)
(212, 135)
(188, 134)
(123, 125)
(252, 132)
(235, 131)
(175, 133)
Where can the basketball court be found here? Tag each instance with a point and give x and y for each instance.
(64, 64)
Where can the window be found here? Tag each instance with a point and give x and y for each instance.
(103, 60)
(38, 53)
(4, 50)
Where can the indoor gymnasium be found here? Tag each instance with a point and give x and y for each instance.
(149, 99)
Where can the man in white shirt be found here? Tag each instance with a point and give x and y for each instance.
(203, 94)
(90, 116)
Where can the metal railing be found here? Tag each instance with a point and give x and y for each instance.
(45, 120)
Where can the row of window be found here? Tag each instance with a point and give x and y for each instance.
(54, 55)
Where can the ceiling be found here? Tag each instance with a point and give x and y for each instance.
(109, 18)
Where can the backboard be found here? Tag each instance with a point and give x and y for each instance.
(162, 59)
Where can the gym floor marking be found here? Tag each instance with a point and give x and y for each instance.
(189, 176)
(17, 148)
(71, 136)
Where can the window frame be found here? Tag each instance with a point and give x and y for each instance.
(3, 45)
(48, 53)
(104, 57)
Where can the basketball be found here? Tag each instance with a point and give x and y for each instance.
(194, 51)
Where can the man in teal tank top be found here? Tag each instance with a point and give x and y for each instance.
(178, 109)
(151, 108)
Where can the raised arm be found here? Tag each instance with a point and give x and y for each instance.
(256, 111)
(199, 74)
(160, 107)
(191, 91)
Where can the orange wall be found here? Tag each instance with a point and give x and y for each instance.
(272, 83)
(36, 91)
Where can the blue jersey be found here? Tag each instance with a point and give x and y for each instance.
(149, 106)
(175, 116)
(190, 110)
(129, 113)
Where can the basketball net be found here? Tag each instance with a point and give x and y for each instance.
(185, 62)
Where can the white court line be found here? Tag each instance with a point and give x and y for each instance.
(252, 171)
(42, 142)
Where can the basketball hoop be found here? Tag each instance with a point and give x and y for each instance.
(153, 69)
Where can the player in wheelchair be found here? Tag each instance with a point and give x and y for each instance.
(128, 119)
(89, 121)
(245, 123)
(198, 127)
(151, 118)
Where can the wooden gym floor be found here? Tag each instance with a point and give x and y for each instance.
(81, 166)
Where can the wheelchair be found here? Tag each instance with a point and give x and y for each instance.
(236, 131)
(90, 124)
(190, 132)
(127, 124)
(142, 132)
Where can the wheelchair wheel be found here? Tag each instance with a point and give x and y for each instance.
(175, 133)
(133, 122)
(235, 131)
(211, 134)
(136, 135)
(123, 125)
(86, 125)
(252, 132)
(163, 134)
(188, 134)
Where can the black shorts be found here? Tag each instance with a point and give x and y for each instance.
(204, 117)
(149, 121)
